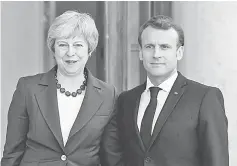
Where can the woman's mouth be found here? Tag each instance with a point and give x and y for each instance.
(70, 62)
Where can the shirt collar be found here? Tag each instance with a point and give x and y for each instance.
(166, 85)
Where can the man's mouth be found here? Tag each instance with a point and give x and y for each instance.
(157, 64)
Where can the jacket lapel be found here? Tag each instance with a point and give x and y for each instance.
(171, 101)
(135, 107)
(48, 105)
(90, 105)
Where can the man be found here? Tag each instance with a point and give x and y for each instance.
(170, 120)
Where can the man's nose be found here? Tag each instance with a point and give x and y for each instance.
(157, 53)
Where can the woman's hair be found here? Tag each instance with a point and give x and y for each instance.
(73, 23)
(164, 23)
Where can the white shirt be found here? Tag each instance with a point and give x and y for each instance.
(68, 109)
(161, 98)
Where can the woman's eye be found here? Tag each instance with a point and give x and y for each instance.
(62, 45)
(78, 45)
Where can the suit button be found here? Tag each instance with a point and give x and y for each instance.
(63, 157)
(148, 159)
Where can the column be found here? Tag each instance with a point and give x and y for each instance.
(211, 52)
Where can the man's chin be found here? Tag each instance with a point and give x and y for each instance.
(158, 73)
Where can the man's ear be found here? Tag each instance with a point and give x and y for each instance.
(140, 54)
(180, 53)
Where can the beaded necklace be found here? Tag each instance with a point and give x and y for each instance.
(78, 91)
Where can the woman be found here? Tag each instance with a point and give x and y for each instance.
(65, 116)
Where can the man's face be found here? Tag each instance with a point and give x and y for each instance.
(159, 52)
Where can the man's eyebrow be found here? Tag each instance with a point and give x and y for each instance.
(166, 44)
(150, 44)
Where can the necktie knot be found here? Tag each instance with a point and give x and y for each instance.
(154, 92)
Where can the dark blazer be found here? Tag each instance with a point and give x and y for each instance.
(34, 135)
(191, 129)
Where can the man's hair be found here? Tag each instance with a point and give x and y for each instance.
(164, 23)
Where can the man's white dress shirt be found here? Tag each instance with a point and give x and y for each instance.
(161, 98)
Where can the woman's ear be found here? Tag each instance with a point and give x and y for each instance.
(180, 53)
(53, 49)
(89, 53)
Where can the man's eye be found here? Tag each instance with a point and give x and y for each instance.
(149, 46)
(164, 47)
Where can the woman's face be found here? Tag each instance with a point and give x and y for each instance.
(71, 55)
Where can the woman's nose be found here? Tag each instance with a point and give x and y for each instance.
(71, 51)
